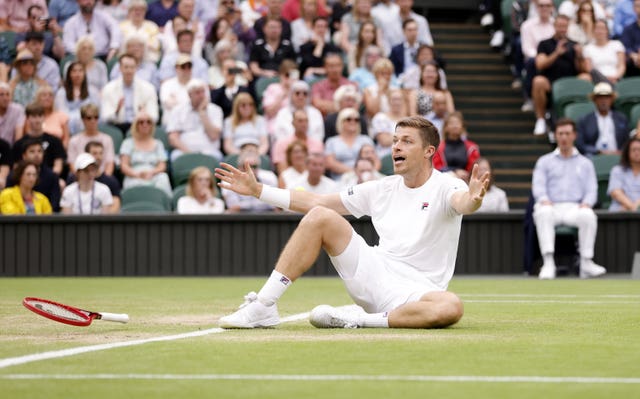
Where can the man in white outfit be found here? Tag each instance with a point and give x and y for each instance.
(565, 189)
(402, 282)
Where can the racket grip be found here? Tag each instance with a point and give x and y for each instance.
(118, 317)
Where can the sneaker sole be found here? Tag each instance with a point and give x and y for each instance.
(267, 323)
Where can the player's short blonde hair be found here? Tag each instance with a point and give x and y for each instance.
(428, 132)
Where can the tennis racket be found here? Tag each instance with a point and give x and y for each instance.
(69, 314)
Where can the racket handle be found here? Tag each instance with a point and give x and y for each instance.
(118, 317)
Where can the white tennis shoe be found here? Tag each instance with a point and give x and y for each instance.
(589, 269)
(547, 271)
(325, 316)
(251, 314)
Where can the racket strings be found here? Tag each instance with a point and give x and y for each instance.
(57, 311)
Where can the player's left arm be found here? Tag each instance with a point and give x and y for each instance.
(467, 202)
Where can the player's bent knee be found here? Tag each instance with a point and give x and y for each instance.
(451, 310)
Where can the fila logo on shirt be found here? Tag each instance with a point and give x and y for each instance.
(350, 191)
(425, 205)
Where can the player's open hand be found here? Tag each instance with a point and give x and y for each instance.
(234, 179)
(478, 185)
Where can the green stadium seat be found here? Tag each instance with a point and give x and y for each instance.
(505, 11)
(628, 90)
(146, 194)
(576, 111)
(178, 192)
(634, 117)
(142, 207)
(114, 132)
(265, 161)
(184, 164)
(565, 91)
(261, 86)
(387, 165)
(7, 46)
(603, 164)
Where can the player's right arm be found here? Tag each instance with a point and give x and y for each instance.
(245, 183)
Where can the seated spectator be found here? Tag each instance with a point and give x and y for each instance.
(167, 68)
(224, 95)
(54, 150)
(96, 23)
(363, 75)
(196, 126)
(268, 53)
(14, 15)
(173, 91)
(300, 125)
(273, 11)
(292, 9)
(294, 167)
(313, 52)
(368, 151)
(23, 199)
(74, 94)
(47, 68)
(456, 153)
(623, 16)
(581, 30)
(96, 149)
(346, 96)
(315, 180)
(143, 158)
(367, 37)
(192, 23)
(123, 97)
(61, 10)
(404, 55)
(410, 78)
(604, 58)
(421, 100)
(350, 25)
(223, 52)
(299, 93)
(221, 30)
(630, 37)
(201, 196)
(495, 200)
(48, 182)
(302, 27)
(244, 122)
(383, 124)
(136, 24)
(322, 92)
(363, 172)
(11, 115)
(247, 203)
(393, 31)
(162, 11)
(438, 112)
(90, 133)
(95, 69)
(277, 95)
(558, 57)
(342, 150)
(25, 83)
(605, 130)
(624, 180)
(117, 9)
(56, 122)
(5, 162)
(146, 70)
(376, 96)
(565, 198)
(241, 23)
(570, 9)
(86, 196)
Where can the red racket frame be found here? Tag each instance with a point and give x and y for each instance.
(86, 315)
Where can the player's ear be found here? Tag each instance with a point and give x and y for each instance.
(429, 151)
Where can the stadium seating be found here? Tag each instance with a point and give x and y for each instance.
(576, 111)
(145, 194)
(265, 161)
(178, 192)
(634, 117)
(603, 165)
(115, 133)
(387, 165)
(184, 164)
(565, 91)
(7, 46)
(142, 207)
(628, 90)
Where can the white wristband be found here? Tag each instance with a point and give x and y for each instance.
(275, 196)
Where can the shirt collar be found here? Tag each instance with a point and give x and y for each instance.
(574, 152)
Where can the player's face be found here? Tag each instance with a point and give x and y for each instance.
(408, 151)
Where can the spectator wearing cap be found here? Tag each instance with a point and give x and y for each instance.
(199, 66)
(323, 91)
(605, 130)
(46, 67)
(173, 91)
(124, 97)
(196, 126)
(11, 115)
(14, 14)
(244, 123)
(135, 45)
(23, 199)
(224, 95)
(299, 100)
(90, 114)
(38, 22)
(86, 196)
(136, 24)
(346, 96)
(300, 125)
(25, 83)
(95, 23)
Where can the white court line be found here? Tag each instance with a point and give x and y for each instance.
(14, 361)
(340, 377)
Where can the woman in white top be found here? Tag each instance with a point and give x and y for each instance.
(95, 69)
(581, 31)
(376, 96)
(75, 93)
(201, 194)
(495, 200)
(244, 122)
(297, 153)
(302, 28)
(605, 56)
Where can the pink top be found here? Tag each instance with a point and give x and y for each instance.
(54, 122)
(279, 153)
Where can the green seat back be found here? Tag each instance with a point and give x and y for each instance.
(603, 164)
(576, 111)
(142, 207)
(115, 133)
(628, 90)
(178, 192)
(146, 193)
(184, 164)
(635, 116)
(387, 165)
(565, 91)
(232, 159)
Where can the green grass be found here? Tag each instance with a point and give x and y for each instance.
(512, 327)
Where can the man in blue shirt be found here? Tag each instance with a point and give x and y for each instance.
(631, 39)
(565, 188)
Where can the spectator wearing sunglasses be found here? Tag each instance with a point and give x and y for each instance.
(90, 114)
(342, 150)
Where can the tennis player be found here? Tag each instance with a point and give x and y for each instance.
(402, 282)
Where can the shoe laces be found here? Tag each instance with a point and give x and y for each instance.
(249, 299)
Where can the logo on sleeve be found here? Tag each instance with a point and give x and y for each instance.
(425, 205)
(350, 191)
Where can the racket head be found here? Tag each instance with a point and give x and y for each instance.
(58, 312)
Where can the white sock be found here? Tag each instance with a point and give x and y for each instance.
(376, 320)
(584, 261)
(548, 259)
(273, 289)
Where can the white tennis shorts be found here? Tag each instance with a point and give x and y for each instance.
(376, 283)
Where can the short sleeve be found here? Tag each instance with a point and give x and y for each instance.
(357, 199)
(161, 153)
(127, 147)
